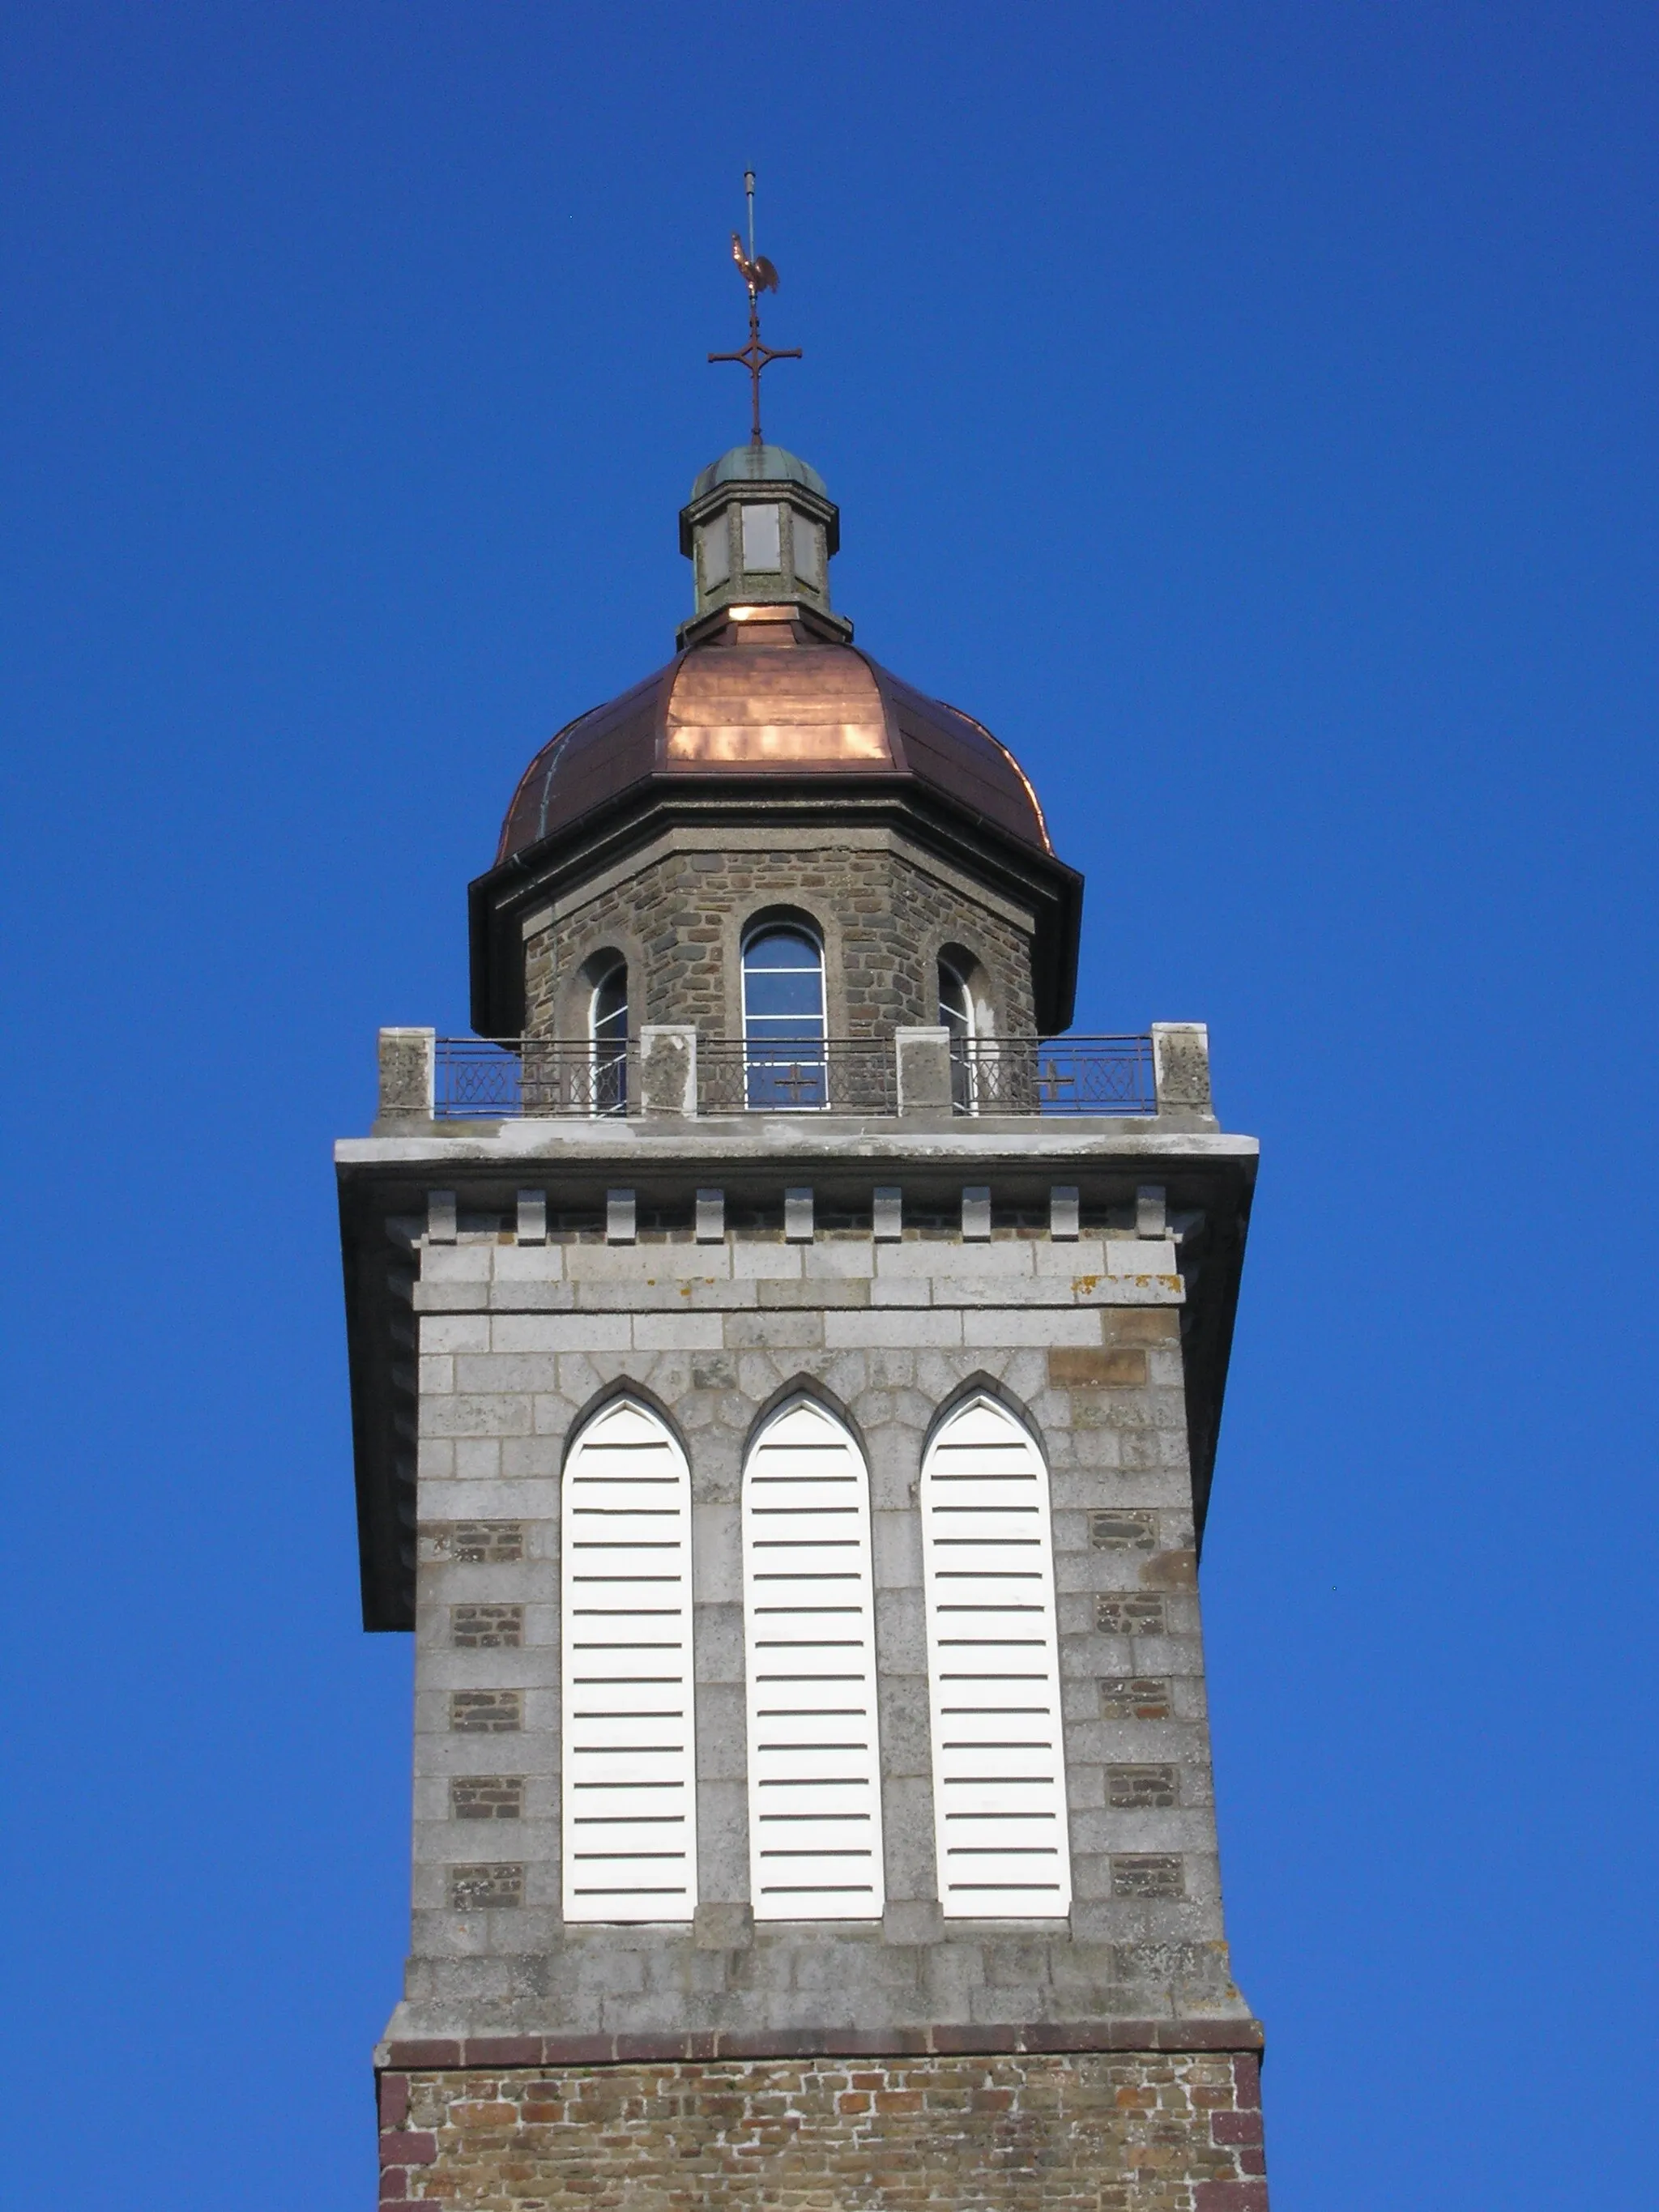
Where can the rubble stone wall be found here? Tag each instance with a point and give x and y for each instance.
(1132, 2131)
(884, 916)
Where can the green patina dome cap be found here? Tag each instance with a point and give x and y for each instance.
(758, 465)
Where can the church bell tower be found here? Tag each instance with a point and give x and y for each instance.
(786, 1372)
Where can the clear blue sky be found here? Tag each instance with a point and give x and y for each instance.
(1248, 411)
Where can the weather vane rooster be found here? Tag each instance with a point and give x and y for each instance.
(758, 273)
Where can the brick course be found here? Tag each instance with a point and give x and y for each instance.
(1129, 1615)
(486, 1712)
(485, 1543)
(1134, 1698)
(1147, 1874)
(1134, 1786)
(487, 1796)
(473, 1888)
(487, 1627)
(1121, 1531)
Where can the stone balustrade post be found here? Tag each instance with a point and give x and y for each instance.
(1180, 1068)
(408, 1071)
(924, 1070)
(668, 1068)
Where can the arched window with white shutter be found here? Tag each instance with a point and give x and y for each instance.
(815, 1850)
(993, 1670)
(628, 1795)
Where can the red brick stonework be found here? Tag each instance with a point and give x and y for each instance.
(1076, 2131)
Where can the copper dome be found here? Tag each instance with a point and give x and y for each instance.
(765, 696)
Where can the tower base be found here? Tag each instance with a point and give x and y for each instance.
(1122, 2130)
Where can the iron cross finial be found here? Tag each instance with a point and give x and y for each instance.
(758, 273)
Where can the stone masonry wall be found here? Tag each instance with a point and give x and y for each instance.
(883, 917)
(519, 1340)
(1074, 2132)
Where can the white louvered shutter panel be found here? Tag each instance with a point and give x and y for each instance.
(809, 1619)
(994, 1671)
(629, 1762)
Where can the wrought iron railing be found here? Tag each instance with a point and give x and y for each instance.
(474, 1079)
(1053, 1075)
(834, 1075)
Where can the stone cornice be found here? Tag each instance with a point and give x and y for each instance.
(440, 2054)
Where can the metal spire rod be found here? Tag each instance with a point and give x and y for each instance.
(758, 273)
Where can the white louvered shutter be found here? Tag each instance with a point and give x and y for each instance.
(994, 1671)
(809, 1620)
(629, 1762)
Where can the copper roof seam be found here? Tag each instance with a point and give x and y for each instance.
(553, 752)
(553, 744)
(896, 744)
(899, 684)
(1030, 788)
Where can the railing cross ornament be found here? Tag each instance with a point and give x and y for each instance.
(1050, 1081)
(795, 1082)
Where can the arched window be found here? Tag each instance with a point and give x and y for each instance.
(607, 1019)
(628, 1763)
(784, 1064)
(993, 1670)
(809, 1620)
(956, 1014)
